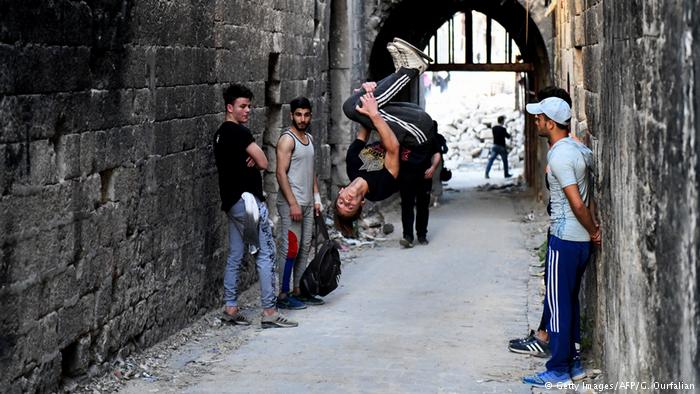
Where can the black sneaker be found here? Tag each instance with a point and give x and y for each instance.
(406, 243)
(529, 336)
(533, 347)
(310, 300)
(423, 240)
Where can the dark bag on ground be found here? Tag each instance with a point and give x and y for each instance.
(323, 272)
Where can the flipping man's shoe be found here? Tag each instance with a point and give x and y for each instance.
(409, 56)
(395, 56)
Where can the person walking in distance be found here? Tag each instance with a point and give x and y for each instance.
(499, 147)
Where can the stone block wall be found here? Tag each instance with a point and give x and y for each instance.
(639, 91)
(111, 232)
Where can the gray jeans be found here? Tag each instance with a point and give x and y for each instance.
(265, 258)
(307, 228)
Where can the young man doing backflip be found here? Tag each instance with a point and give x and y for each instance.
(374, 169)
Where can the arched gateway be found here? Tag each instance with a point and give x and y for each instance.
(417, 21)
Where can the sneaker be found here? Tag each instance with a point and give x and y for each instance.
(409, 56)
(310, 300)
(237, 319)
(406, 243)
(398, 41)
(529, 336)
(423, 240)
(290, 302)
(533, 347)
(577, 371)
(508, 175)
(277, 320)
(548, 379)
(395, 56)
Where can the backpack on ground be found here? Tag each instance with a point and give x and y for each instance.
(323, 272)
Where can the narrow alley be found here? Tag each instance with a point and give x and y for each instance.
(432, 318)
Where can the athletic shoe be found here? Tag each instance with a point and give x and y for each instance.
(577, 371)
(548, 379)
(409, 45)
(394, 55)
(277, 320)
(310, 300)
(290, 302)
(406, 243)
(529, 336)
(533, 347)
(237, 319)
(423, 240)
(409, 56)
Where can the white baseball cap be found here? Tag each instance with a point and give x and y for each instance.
(554, 107)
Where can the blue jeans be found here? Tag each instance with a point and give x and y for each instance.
(265, 259)
(498, 150)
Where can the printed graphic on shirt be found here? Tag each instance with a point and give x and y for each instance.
(372, 157)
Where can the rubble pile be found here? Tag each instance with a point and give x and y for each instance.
(469, 137)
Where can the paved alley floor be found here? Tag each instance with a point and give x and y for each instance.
(431, 319)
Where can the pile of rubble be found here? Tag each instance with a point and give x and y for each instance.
(469, 137)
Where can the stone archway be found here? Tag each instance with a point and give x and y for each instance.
(415, 22)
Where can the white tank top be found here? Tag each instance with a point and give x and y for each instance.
(301, 170)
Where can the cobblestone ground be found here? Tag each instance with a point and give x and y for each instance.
(432, 318)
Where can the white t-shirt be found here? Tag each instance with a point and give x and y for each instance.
(569, 164)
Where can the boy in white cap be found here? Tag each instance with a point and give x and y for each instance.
(573, 229)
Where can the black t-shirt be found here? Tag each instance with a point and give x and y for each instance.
(367, 162)
(235, 177)
(499, 135)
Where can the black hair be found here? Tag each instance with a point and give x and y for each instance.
(501, 119)
(553, 91)
(234, 91)
(346, 224)
(299, 102)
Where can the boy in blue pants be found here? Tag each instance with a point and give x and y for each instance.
(573, 230)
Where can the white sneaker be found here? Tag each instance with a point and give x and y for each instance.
(409, 56)
(395, 56)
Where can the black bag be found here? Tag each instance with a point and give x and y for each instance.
(445, 175)
(323, 272)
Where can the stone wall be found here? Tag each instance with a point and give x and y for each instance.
(112, 237)
(639, 92)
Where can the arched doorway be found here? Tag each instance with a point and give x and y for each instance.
(417, 22)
